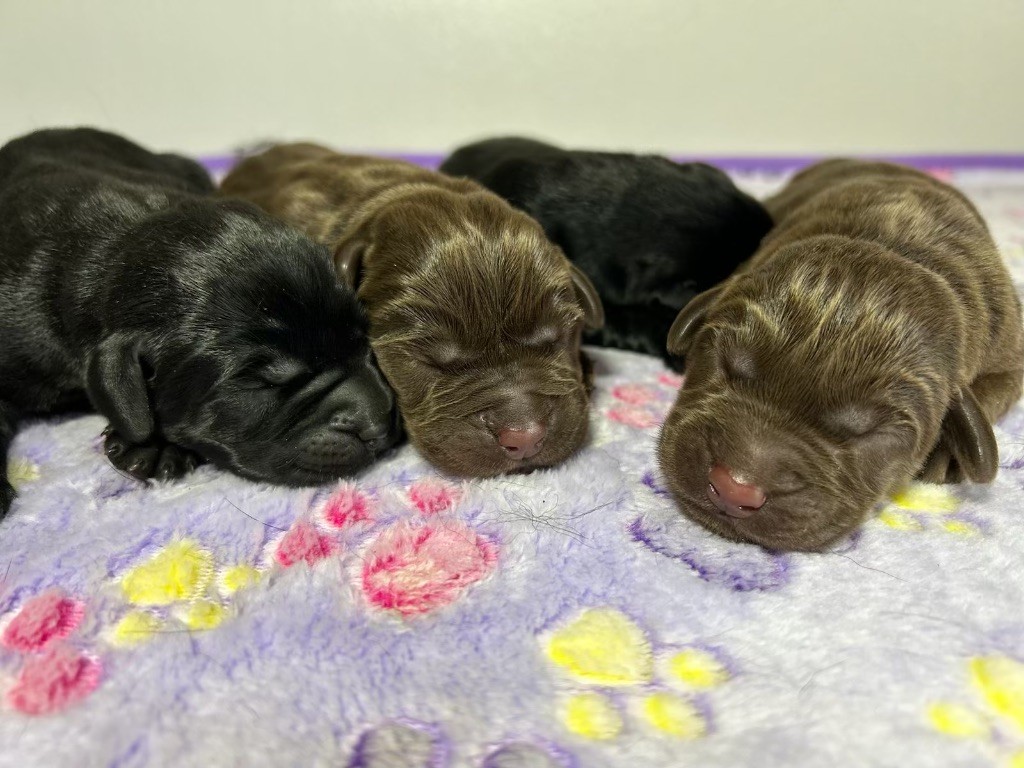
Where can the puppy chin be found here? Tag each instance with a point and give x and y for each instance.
(812, 533)
(472, 455)
(300, 466)
(471, 452)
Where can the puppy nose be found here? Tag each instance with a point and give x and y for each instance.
(522, 443)
(731, 496)
(380, 432)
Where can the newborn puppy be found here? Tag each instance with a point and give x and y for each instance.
(199, 327)
(650, 233)
(875, 336)
(475, 316)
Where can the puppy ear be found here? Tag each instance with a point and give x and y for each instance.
(969, 437)
(689, 321)
(117, 387)
(586, 294)
(348, 261)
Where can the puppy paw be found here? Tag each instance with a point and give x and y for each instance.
(934, 469)
(156, 459)
(941, 467)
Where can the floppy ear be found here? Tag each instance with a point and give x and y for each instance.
(689, 321)
(586, 294)
(348, 261)
(969, 437)
(117, 387)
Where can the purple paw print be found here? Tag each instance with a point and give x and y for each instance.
(740, 567)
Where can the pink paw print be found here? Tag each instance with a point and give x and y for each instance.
(671, 380)
(311, 540)
(347, 507)
(643, 406)
(55, 674)
(304, 543)
(415, 556)
(416, 568)
(433, 496)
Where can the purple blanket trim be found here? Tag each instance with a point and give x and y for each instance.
(744, 164)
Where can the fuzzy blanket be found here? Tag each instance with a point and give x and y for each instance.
(570, 618)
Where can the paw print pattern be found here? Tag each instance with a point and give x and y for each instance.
(408, 564)
(736, 566)
(995, 720)
(643, 406)
(178, 583)
(303, 542)
(415, 568)
(414, 555)
(47, 617)
(401, 744)
(616, 676)
(406, 743)
(21, 472)
(526, 755)
(927, 507)
(54, 674)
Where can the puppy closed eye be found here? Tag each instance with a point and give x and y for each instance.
(272, 375)
(447, 355)
(542, 337)
(852, 422)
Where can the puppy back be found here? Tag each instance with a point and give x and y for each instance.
(921, 221)
(321, 191)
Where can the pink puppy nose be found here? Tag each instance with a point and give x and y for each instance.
(734, 498)
(523, 443)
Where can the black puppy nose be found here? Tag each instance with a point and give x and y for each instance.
(343, 422)
(377, 434)
(367, 429)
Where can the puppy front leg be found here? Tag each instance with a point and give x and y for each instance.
(154, 459)
(117, 388)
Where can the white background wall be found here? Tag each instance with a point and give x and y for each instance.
(693, 76)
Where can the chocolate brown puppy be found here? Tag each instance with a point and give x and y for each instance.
(650, 233)
(475, 317)
(874, 337)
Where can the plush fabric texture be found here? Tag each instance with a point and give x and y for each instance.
(566, 619)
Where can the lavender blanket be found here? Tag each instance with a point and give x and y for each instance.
(570, 618)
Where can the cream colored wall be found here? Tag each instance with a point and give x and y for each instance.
(701, 76)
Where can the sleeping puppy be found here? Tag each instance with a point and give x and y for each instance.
(475, 316)
(874, 337)
(201, 328)
(650, 233)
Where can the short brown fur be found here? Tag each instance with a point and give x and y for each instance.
(475, 317)
(874, 337)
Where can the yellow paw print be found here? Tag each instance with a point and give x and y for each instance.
(606, 651)
(998, 683)
(20, 472)
(177, 582)
(923, 506)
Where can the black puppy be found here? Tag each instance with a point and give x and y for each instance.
(651, 234)
(200, 328)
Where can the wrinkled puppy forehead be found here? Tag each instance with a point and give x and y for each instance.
(834, 324)
(487, 285)
(288, 300)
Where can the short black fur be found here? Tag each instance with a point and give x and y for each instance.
(201, 328)
(650, 233)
